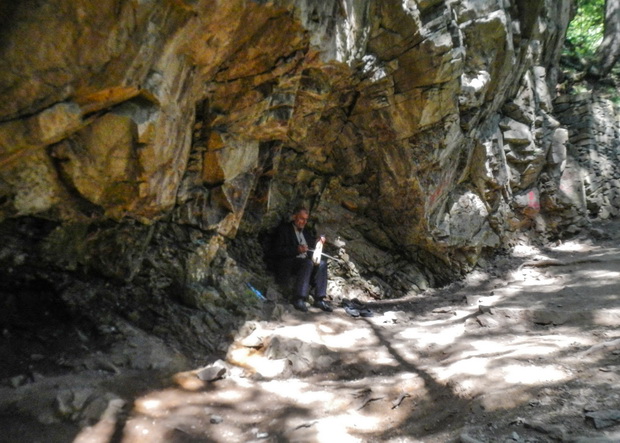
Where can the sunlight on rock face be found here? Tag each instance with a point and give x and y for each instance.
(372, 68)
(410, 8)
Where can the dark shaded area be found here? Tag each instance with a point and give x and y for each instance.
(8, 13)
(37, 329)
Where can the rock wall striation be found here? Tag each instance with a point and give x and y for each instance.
(151, 144)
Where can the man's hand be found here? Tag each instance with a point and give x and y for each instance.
(302, 249)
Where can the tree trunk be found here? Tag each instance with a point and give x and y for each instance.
(608, 52)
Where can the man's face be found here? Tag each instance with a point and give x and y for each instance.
(300, 219)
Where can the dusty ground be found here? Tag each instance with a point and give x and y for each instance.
(527, 350)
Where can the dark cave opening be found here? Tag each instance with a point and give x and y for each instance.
(39, 333)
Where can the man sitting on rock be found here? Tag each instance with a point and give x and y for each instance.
(292, 261)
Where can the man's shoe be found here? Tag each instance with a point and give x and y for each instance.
(356, 308)
(351, 311)
(300, 305)
(365, 312)
(323, 306)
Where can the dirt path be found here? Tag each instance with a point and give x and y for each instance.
(526, 353)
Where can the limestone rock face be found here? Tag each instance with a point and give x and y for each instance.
(424, 133)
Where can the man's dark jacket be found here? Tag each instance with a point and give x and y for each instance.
(285, 243)
(291, 269)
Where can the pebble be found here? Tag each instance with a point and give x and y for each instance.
(18, 381)
(211, 373)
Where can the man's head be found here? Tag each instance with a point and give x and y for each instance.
(300, 218)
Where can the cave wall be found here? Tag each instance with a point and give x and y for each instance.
(156, 141)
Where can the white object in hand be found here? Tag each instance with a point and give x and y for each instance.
(318, 249)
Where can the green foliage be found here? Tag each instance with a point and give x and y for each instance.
(585, 31)
(613, 95)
